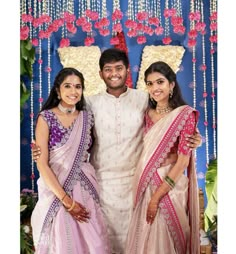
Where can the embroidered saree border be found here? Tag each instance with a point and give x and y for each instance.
(162, 150)
(76, 174)
(150, 175)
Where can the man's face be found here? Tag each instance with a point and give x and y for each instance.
(114, 75)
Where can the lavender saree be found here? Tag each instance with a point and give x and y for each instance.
(175, 229)
(55, 231)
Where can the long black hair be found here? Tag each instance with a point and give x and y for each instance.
(176, 100)
(53, 100)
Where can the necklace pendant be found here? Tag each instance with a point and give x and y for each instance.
(66, 110)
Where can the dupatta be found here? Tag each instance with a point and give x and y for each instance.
(157, 144)
(65, 161)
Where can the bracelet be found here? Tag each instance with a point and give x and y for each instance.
(63, 197)
(72, 206)
(170, 182)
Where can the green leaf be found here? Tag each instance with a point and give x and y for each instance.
(210, 213)
(211, 178)
(27, 58)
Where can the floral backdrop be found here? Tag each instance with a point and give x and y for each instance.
(131, 25)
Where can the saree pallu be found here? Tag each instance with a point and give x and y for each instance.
(175, 229)
(55, 231)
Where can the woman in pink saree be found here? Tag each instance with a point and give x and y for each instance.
(67, 217)
(165, 219)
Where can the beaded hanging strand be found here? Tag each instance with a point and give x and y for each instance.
(32, 109)
(49, 69)
(213, 27)
(46, 11)
(167, 29)
(192, 27)
(31, 104)
(203, 68)
(130, 22)
(40, 60)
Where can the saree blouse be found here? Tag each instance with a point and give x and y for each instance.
(58, 134)
(180, 145)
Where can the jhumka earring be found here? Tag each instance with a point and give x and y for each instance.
(171, 93)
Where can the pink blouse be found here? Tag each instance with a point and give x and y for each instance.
(180, 145)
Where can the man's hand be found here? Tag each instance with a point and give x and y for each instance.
(35, 150)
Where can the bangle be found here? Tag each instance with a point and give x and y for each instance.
(170, 182)
(72, 206)
(63, 197)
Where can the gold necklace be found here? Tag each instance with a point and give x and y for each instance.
(163, 110)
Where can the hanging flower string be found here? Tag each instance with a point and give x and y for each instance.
(103, 23)
(141, 17)
(203, 68)
(192, 45)
(144, 18)
(213, 39)
(117, 15)
(167, 13)
(177, 18)
(130, 23)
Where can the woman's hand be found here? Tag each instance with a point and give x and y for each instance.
(76, 210)
(152, 210)
(79, 212)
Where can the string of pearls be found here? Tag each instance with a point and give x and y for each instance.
(141, 5)
(31, 105)
(49, 12)
(213, 8)
(22, 11)
(158, 11)
(192, 26)
(167, 23)
(204, 87)
(34, 30)
(116, 6)
(104, 8)
(130, 10)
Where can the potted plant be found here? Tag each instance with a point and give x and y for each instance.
(28, 201)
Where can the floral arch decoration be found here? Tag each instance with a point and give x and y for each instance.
(86, 60)
(172, 55)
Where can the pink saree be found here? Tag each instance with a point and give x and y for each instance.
(175, 229)
(54, 229)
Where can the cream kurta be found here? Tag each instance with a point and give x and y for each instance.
(118, 144)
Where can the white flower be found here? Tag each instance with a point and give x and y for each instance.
(86, 60)
(22, 208)
(26, 229)
(172, 55)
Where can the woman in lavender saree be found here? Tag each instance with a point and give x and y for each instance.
(165, 219)
(67, 217)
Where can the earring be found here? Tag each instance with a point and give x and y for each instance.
(59, 97)
(171, 93)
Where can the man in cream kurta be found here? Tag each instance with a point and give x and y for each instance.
(118, 143)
